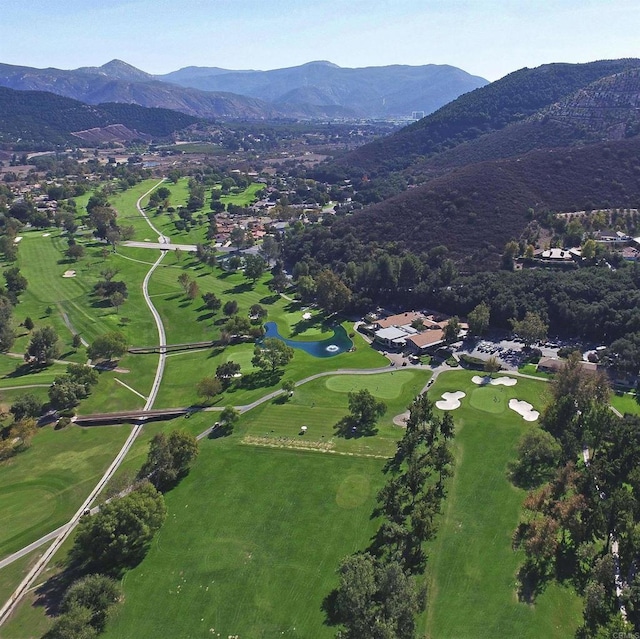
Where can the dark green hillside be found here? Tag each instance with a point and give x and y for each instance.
(513, 98)
(475, 210)
(45, 119)
(156, 122)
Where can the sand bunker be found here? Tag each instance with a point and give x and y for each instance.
(450, 401)
(401, 419)
(69, 274)
(17, 239)
(46, 234)
(306, 316)
(494, 381)
(524, 409)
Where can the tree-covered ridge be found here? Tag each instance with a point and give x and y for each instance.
(45, 118)
(476, 210)
(510, 99)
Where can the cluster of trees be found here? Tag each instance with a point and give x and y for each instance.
(103, 219)
(271, 354)
(109, 346)
(582, 468)
(85, 608)
(17, 436)
(43, 347)
(378, 594)
(115, 291)
(169, 459)
(597, 304)
(67, 390)
(118, 537)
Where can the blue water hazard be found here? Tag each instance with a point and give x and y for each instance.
(329, 347)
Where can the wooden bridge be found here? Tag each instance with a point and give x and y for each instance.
(171, 348)
(132, 416)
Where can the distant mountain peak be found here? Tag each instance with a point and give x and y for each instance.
(321, 63)
(120, 71)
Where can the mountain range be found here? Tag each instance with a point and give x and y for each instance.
(314, 90)
(379, 92)
(560, 137)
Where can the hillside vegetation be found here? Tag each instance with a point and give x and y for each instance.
(45, 118)
(513, 98)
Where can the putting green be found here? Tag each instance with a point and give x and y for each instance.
(385, 385)
(353, 491)
(490, 399)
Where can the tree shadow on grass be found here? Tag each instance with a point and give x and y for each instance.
(49, 595)
(26, 369)
(330, 609)
(217, 350)
(175, 296)
(349, 428)
(238, 289)
(259, 379)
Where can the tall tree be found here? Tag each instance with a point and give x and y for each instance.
(271, 354)
(43, 347)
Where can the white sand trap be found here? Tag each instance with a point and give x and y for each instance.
(46, 234)
(306, 316)
(524, 409)
(494, 381)
(450, 401)
(69, 274)
(17, 239)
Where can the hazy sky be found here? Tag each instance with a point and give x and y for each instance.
(489, 38)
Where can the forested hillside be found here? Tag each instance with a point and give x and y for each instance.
(41, 118)
(515, 97)
(475, 210)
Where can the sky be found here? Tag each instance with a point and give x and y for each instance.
(489, 38)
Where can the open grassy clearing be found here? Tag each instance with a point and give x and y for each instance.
(14, 372)
(52, 477)
(472, 567)
(124, 202)
(625, 403)
(320, 404)
(184, 370)
(251, 545)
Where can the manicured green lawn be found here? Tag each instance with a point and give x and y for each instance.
(251, 545)
(184, 370)
(320, 404)
(43, 486)
(15, 572)
(625, 403)
(472, 567)
(14, 372)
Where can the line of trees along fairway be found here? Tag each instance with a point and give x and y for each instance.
(117, 539)
(574, 509)
(379, 593)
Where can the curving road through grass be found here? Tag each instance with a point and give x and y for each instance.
(65, 531)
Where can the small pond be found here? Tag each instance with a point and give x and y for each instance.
(329, 347)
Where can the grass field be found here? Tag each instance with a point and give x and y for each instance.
(625, 403)
(52, 478)
(14, 573)
(251, 545)
(184, 370)
(320, 404)
(472, 566)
